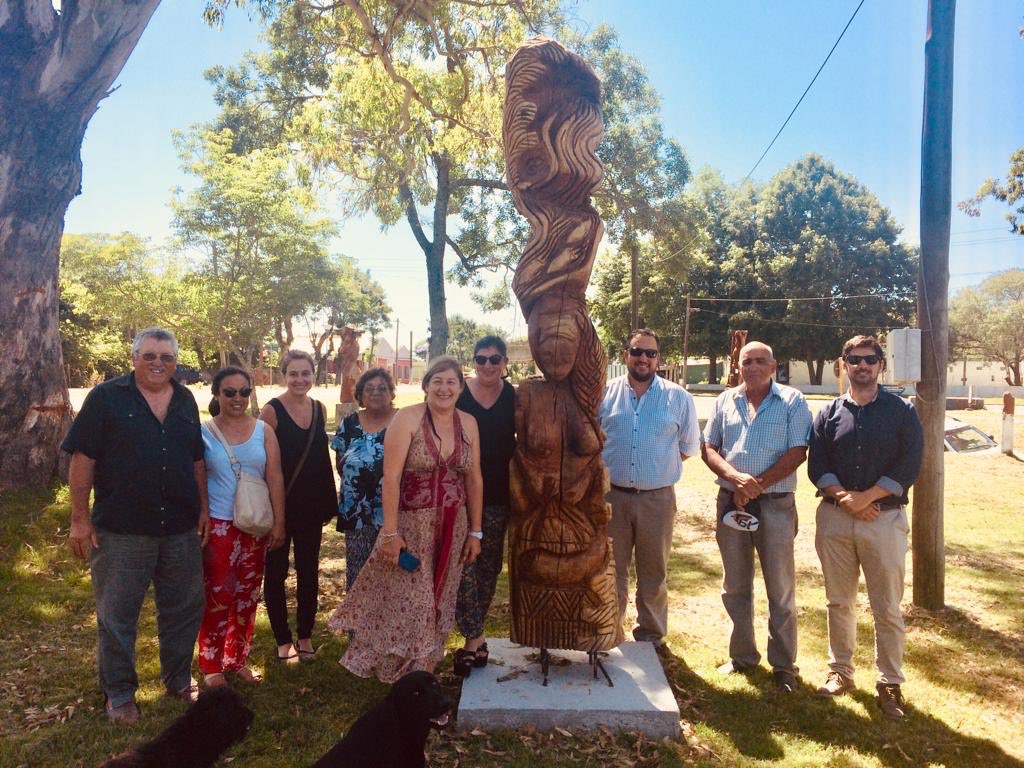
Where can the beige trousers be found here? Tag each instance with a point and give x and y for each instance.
(845, 546)
(641, 523)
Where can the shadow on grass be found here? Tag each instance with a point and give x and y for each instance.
(976, 646)
(751, 720)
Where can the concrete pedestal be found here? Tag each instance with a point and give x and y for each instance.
(640, 700)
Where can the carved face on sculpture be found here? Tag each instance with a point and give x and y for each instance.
(554, 324)
(552, 125)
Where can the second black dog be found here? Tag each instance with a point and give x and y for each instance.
(196, 739)
(393, 733)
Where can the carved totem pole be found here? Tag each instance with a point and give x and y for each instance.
(560, 559)
(348, 372)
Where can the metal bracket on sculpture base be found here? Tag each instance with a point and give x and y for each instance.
(594, 657)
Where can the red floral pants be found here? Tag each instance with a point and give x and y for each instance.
(233, 573)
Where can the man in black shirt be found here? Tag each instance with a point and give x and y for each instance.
(865, 453)
(137, 444)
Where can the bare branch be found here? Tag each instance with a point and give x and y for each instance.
(414, 219)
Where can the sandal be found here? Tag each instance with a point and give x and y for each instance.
(247, 676)
(306, 655)
(480, 657)
(215, 680)
(290, 658)
(462, 662)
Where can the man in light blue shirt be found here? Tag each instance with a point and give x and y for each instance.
(754, 441)
(650, 427)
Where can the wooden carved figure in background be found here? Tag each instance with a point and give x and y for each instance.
(560, 561)
(349, 357)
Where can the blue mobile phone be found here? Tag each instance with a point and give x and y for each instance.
(408, 561)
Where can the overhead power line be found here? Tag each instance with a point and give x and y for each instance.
(808, 88)
(796, 298)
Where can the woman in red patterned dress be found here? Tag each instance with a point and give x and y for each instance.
(433, 502)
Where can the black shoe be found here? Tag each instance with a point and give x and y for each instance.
(480, 656)
(462, 662)
(785, 681)
(890, 701)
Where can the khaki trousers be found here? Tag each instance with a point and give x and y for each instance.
(642, 523)
(845, 546)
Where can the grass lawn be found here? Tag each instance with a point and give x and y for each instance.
(965, 665)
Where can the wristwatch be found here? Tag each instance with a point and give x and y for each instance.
(477, 535)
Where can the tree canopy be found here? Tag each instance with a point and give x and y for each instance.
(986, 322)
(1010, 192)
(803, 263)
(404, 109)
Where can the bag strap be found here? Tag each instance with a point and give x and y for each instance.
(314, 422)
(215, 430)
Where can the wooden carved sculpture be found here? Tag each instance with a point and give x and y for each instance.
(560, 564)
(348, 356)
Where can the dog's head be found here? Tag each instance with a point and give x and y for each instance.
(418, 698)
(223, 710)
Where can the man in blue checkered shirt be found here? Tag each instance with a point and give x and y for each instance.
(650, 427)
(754, 441)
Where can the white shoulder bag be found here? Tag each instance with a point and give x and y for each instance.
(253, 511)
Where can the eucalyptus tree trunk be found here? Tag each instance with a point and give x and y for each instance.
(54, 70)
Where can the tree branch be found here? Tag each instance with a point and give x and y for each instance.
(479, 182)
(414, 219)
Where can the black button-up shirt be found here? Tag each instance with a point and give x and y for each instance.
(144, 480)
(859, 447)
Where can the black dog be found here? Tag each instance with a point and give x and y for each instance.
(196, 739)
(393, 733)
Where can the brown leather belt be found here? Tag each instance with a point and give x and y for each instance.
(627, 489)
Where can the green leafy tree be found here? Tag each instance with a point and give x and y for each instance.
(405, 107)
(464, 334)
(985, 322)
(823, 236)
(1011, 192)
(263, 247)
(696, 250)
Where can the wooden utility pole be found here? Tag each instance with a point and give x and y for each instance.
(932, 287)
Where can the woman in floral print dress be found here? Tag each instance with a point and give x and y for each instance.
(432, 498)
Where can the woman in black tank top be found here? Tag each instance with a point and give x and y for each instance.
(310, 501)
(492, 402)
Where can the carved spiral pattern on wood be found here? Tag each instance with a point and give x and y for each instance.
(561, 568)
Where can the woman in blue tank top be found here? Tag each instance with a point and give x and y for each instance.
(233, 559)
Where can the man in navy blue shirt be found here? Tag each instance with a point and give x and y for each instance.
(865, 453)
(137, 445)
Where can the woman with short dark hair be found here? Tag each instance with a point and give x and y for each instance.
(359, 450)
(491, 400)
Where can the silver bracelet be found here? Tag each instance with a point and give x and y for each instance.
(477, 535)
(387, 536)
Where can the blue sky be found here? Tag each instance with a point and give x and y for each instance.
(728, 73)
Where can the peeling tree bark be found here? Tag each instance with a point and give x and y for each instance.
(54, 70)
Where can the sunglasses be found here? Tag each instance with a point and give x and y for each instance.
(484, 359)
(869, 359)
(638, 351)
(149, 357)
(377, 390)
(230, 392)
